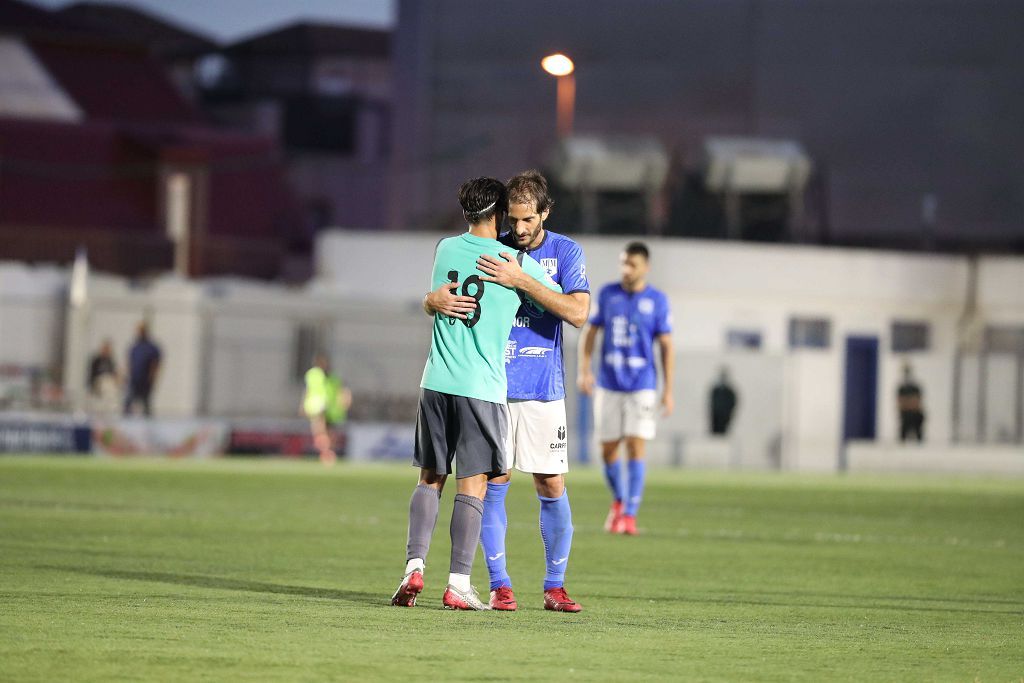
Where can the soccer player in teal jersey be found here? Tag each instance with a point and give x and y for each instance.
(536, 386)
(462, 416)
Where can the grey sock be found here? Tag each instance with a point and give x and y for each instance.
(422, 517)
(467, 517)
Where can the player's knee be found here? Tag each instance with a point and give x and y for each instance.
(432, 479)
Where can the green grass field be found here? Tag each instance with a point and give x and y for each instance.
(228, 570)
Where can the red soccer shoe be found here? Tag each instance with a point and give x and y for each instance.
(612, 520)
(557, 600)
(503, 599)
(628, 525)
(411, 586)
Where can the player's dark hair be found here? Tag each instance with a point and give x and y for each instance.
(638, 249)
(530, 187)
(482, 198)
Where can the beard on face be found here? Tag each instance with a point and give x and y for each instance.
(527, 239)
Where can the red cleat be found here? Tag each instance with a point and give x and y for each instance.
(556, 600)
(410, 587)
(503, 599)
(628, 524)
(612, 520)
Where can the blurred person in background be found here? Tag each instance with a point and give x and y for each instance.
(909, 402)
(722, 403)
(144, 359)
(632, 316)
(325, 404)
(537, 441)
(104, 383)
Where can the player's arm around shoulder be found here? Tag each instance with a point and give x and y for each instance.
(573, 278)
(529, 277)
(571, 306)
(446, 299)
(576, 314)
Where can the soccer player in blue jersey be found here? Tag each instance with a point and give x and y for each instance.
(633, 316)
(536, 385)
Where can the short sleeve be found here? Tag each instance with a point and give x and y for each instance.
(596, 311)
(663, 324)
(573, 270)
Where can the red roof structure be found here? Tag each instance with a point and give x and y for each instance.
(114, 81)
(163, 37)
(101, 181)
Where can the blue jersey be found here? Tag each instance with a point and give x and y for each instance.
(533, 356)
(631, 321)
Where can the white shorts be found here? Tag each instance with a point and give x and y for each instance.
(619, 414)
(537, 442)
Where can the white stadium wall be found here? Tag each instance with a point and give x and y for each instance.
(169, 306)
(31, 314)
(31, 332)
(791, 400)
(231, 350)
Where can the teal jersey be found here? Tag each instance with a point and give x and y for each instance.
(467, 357)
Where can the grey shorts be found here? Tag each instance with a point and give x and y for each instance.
(467, 430)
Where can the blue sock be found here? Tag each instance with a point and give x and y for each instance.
(637, 468)
(492, 534)
(556, 532)
(613, 476)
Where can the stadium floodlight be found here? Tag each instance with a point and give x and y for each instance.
(562, 68)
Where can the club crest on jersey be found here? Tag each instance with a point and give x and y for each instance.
(532, 352)
(550, 266)
(646, 306)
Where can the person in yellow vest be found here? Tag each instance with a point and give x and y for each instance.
(326, 403)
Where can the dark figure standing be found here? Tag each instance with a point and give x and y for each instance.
(723, 404)
(103, 381)
(908, 398)
(143, 365)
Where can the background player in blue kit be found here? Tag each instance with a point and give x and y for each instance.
(536, 385)
(632, 315)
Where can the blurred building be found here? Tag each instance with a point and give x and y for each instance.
(815, 339)
(99, 149)
(324, 92)
(178, 48)
(909, 112)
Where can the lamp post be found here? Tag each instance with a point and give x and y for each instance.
(561, 67)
